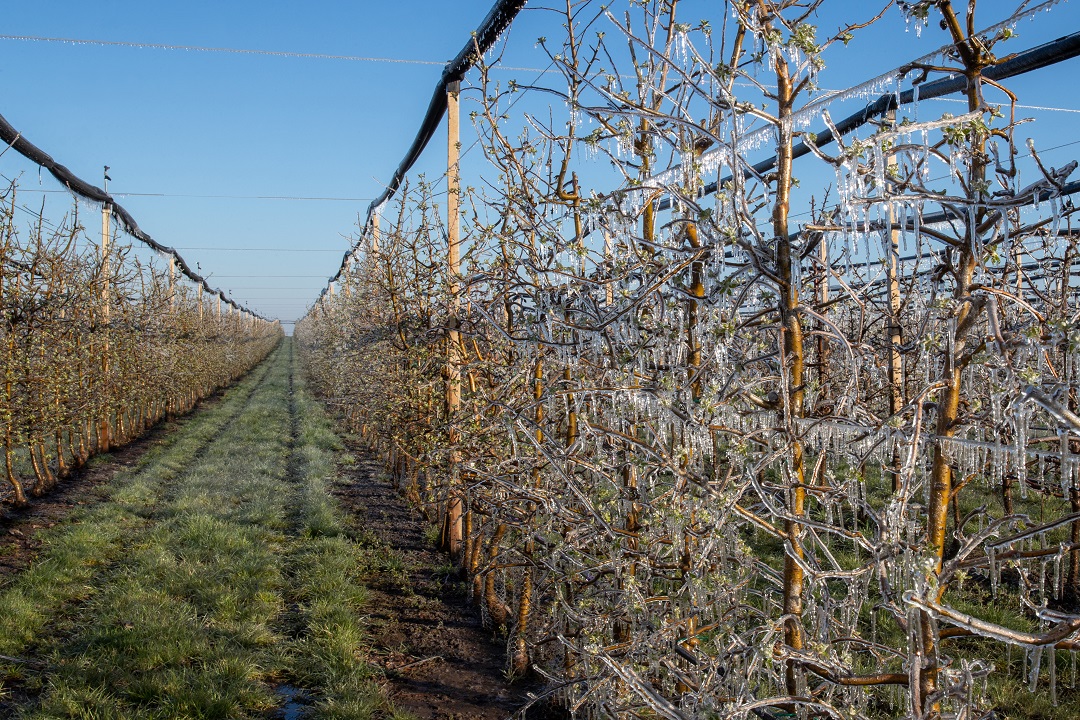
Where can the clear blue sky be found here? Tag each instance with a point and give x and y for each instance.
(187, 123)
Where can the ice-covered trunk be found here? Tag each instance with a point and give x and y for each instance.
(821, 290)
(952, 376)
(697, 298)
(104, 430)
(792, 407)
(894, 329)
(520, 656)
(9, 420)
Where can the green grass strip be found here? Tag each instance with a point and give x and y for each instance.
(75, 551)
(326, 567)
(189, 619)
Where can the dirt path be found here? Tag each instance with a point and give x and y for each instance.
(440, 661)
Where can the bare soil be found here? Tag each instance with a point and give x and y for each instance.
(440, 662)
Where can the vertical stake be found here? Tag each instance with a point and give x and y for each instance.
(896, 360)
(375, 232)
(106, 231)
(453, 339)
(104, 430)
(822, 280)
(172, 283)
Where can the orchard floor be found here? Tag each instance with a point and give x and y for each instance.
(238, 563)
(429, 640)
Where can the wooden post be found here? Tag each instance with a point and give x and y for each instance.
(172, 283)
(896, 360)
(375, 232)
(453, 340)
(104, 432)
(106, 233)
(822, 279)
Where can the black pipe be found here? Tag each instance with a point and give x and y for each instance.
(494, 24)
(498, 19)
(15, 140)
(1036, 58)
(503, 13)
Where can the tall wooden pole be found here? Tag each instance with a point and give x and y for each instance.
(896, 360)
(106, 232)
(104, 430)
(453, 339)
(822, 278)
(172, 283)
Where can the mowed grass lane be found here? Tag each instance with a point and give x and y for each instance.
(212, 574)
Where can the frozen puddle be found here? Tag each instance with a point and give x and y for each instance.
(295, 702)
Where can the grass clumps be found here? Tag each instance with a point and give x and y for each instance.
(75, 552)
(326, 568)
(216, 571)
(182, 626)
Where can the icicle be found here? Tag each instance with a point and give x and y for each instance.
(1066, 463)
(995, 576)
(1052, 658)
(1057, 573)
(1036, 664)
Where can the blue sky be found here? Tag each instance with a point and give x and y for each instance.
(197, 123)
(188, 123)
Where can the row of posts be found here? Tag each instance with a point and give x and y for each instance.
(106, 243)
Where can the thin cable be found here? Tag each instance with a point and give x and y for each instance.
(262, 249)
(207, 197)
(238, 51)
(51, 226)
(231, 277)
(265, 287)
(1023, 107)
(243, 197)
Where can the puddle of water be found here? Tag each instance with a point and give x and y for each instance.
(294, 703)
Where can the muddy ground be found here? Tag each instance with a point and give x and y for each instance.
(440, 662)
